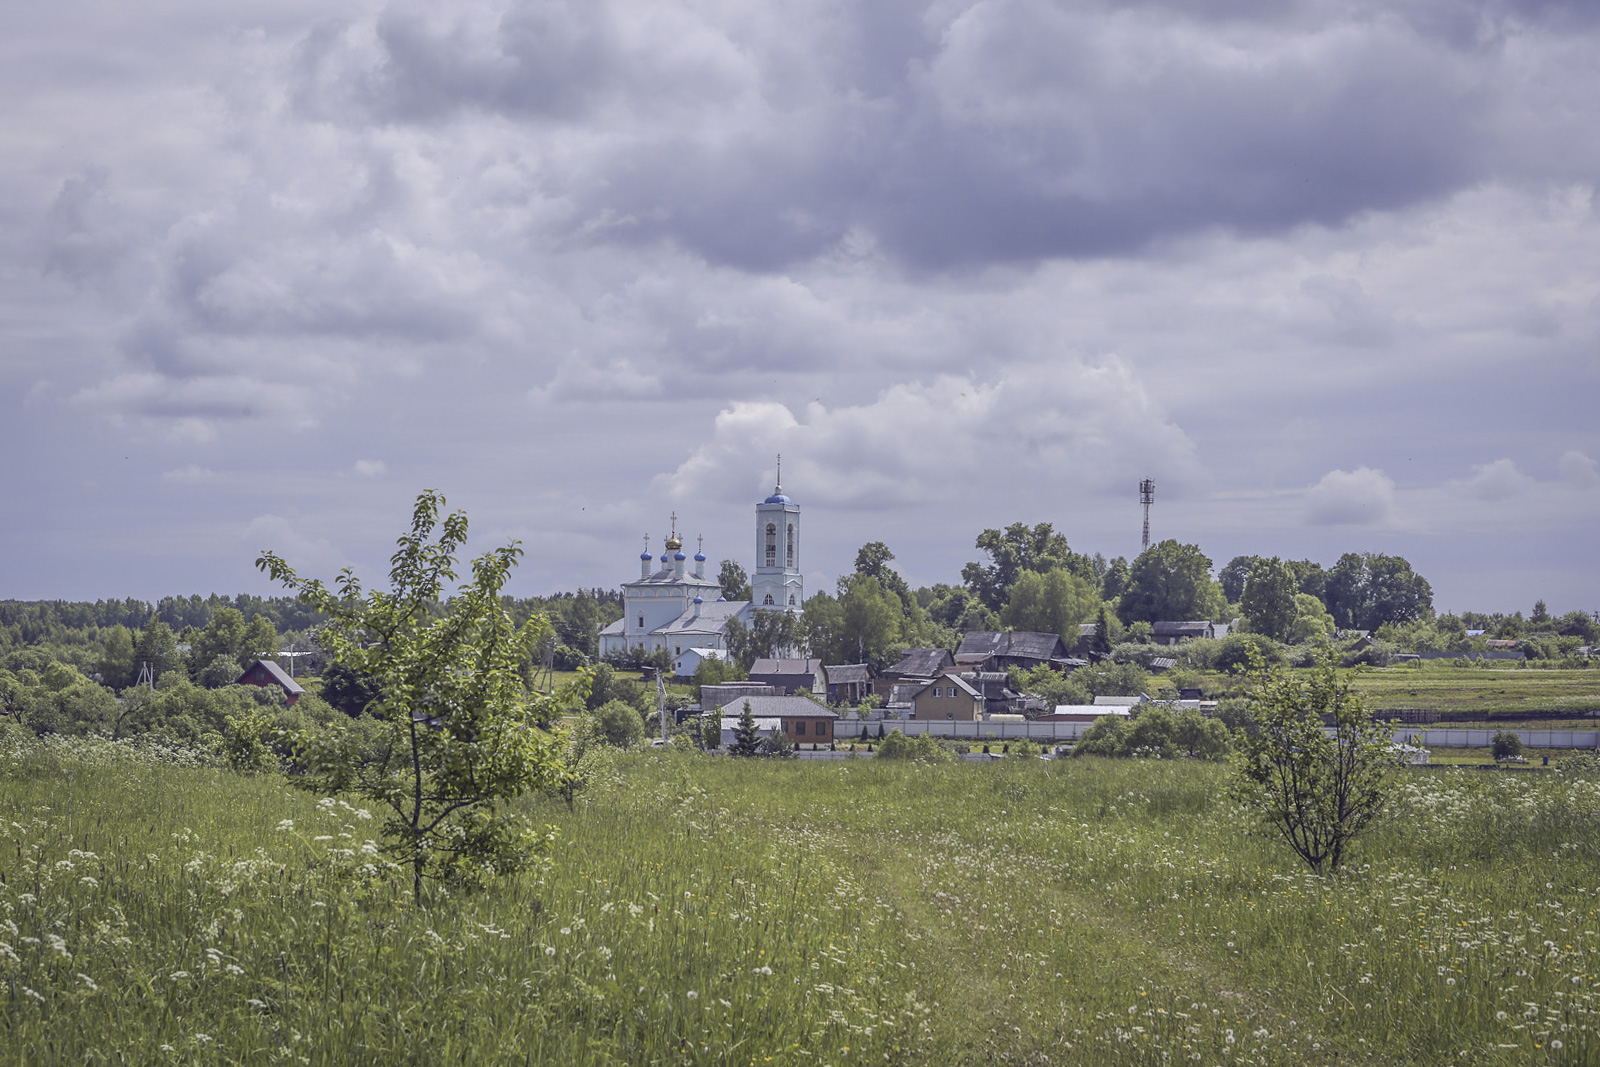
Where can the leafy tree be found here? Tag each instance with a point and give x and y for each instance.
(1506, 745)
(1155, 732)
(1366, 591)
(222, 670)
(1170, 581)
(349, 690)
(1115, 579)
(919, 749)
(734, 580)
(1268, 601)
(1111, 679)
(770, 633)
(746, 736)
(711, 730)
(1055, 602)
(1311, 620)
(620, 724)
(1051, 686)
(1232, 578)
(458, 731)
(1016, 549)
(118, 669)
(1317, 789)
(158, 647)
(1541, 614)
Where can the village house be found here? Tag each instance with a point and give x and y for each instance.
(848, 683)
(948, 697)
(790, 675)
(264, 672)
(991, 651)
(797, 719)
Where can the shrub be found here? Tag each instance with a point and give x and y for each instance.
(919, 749)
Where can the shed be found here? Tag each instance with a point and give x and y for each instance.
(265, 672)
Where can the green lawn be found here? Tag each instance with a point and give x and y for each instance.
(703, 910)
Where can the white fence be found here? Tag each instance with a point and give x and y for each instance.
(850, 729)
(1484, 738)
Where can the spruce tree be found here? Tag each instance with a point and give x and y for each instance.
(746, 738)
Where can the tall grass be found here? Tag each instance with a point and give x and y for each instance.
(712, 911)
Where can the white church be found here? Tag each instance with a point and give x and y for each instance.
(668, 607)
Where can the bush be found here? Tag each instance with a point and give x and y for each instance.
(1156, 732)
(619, 724)
(1236, 652)
(919, 749)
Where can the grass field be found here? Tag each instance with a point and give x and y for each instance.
(710, 911)
(1486, 691)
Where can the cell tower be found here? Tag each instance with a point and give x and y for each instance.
(1147, 496)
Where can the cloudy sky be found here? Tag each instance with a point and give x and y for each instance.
(1327, 270)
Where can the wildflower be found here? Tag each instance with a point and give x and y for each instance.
(286, 825)
(179, 974)
(692, 995)
(549, 950)
(566, 929)
(88, 982)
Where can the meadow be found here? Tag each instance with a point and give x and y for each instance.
(704, 910)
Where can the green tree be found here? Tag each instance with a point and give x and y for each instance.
(1365, 591)
(459, 735)
(734, 580)
(1506, 745)
(222, 670)
(1311, 620)
(1115, 579)
(1054, 602)
(118, 669)
(1016, 549)
(746, 736)
(1103, 638)
(1268, 602)
(620, 724)
(1232, 578)
(1318, 789)
(1170, 582)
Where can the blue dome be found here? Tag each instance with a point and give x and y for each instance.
(777, 498)
(645, 555)
(722, 600)
(699, 557)
(697, 600)
(680, 556)
(663, 557)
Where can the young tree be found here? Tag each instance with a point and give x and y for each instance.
(746, 737)
(733, 579)
(459, 738)
(1507, 746)
(1317, 788)
(1268, 601)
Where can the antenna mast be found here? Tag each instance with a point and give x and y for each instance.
(1147, 496)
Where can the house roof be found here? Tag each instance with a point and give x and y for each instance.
(1181, 628)
(921, 662)
(1117, 702)
(278, 675)
(966, 687)
(1092, 709)
(709, 618)
(776, 707)
(803, 667)
(845, 673)
(1017, 644)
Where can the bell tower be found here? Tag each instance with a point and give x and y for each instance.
(776, 584)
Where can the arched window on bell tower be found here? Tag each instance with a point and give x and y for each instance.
(772, 544)
(789, 546)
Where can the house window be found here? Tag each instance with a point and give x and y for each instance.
(772, 544)
(791, 600)
(789, 546)
(767, 600)
(937, 692)
(641, 622)
(800, 728)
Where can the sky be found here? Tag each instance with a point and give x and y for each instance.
(1328, 271)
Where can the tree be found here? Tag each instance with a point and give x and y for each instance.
(1268, 602)
(746, 736)
(735, 582)
(620, 724)
(458, 738)
(1102, 641)
(1318, 789)
(349, 690)
(1506, 745)
(1233, 577)
(1311, 620)
(1016, 549)
(1365, 591)
(1170, 581)
(1055, 602)
(770, 634)
(1115, 579)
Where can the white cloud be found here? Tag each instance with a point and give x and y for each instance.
(193, 474)
(1578, 470)
(1061, 426)
(1360, 497)
(311, 556)
(1500, 480)
(370, 468)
